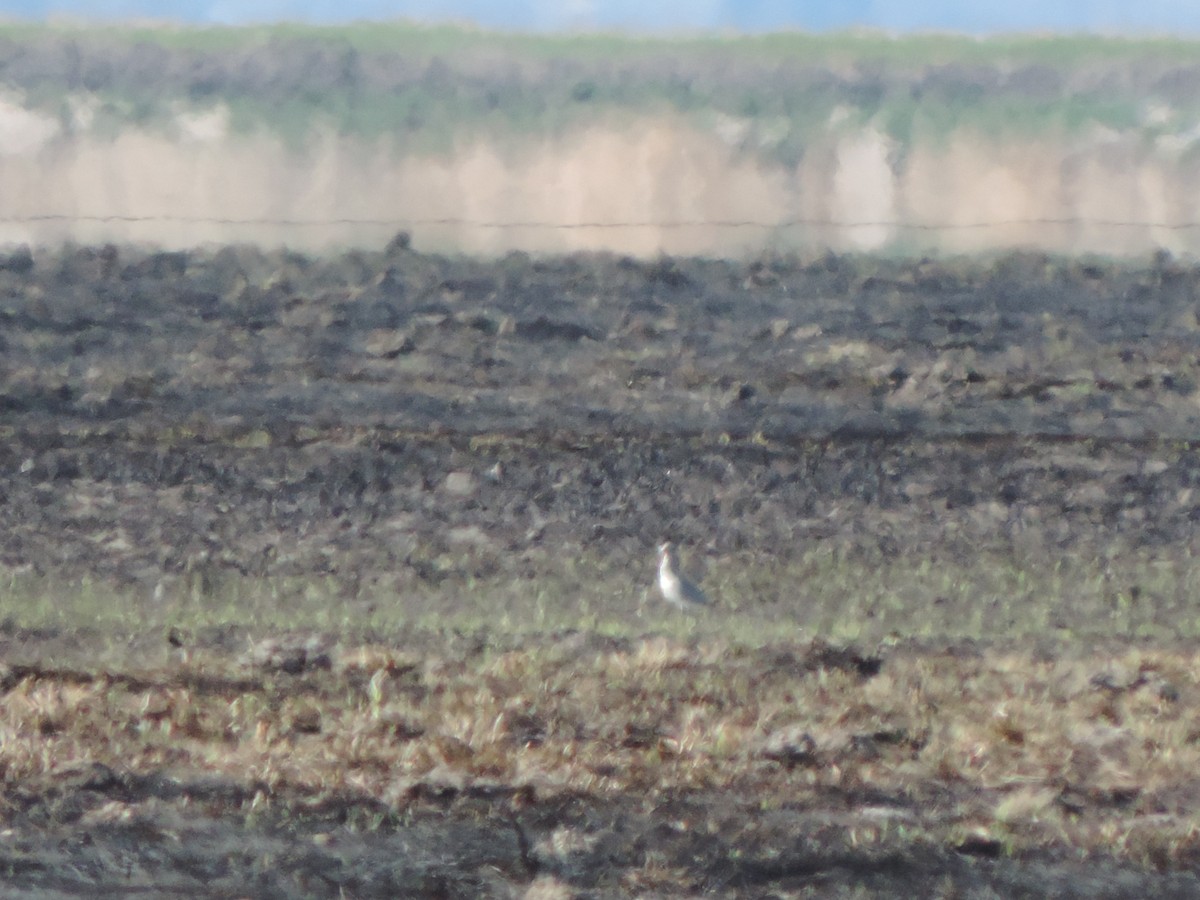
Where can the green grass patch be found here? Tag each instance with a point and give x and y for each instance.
(431, 85)
(818, 594)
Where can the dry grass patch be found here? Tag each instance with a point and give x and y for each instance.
(988, 751)
(724, 755)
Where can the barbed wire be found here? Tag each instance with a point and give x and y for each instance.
(669, 224)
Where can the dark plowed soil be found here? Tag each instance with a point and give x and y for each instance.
(470, 844)
(273, 414)
(265, 414)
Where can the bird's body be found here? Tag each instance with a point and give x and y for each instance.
(673, 584)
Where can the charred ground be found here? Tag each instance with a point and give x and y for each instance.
(336, 547)
(278, 415)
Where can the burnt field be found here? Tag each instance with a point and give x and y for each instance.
(329, 576)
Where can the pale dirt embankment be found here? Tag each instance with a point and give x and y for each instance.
(638, 186)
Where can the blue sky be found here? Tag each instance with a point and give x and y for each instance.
(1153, 17)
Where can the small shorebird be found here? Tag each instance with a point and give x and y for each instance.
(673, 584)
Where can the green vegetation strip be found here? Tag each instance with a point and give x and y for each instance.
(820, 593)
(429, 86)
